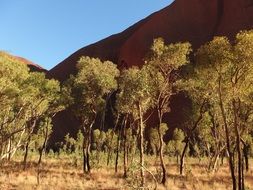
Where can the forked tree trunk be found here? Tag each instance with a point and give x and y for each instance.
(216, 162)
(188, 136)
(14, 149)
(228, 144)
(238, 147)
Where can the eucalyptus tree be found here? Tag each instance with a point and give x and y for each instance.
(135, 97)
(163, 64)
(224, 73)
(25, 98)
(57, 101)
(194, 115)
(94, 82)
(42, 96)
(12, 113)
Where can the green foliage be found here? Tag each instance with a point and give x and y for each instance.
(226, 67)
(222, 77)
(94, 81)
(25, 98)
(89, 91)
(135, 90)
(44, 131)
(162, 64)
(73, 145)
(175, 146)
(99, 139)
(111, 140)
(167, 58)
(13, 75)
(69, 144)
(154, 137)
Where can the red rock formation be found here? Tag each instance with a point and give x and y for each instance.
(196, 21)
(31, 65)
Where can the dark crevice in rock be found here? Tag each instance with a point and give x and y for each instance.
(220, 12)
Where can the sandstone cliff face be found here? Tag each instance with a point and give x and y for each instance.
(196, 21)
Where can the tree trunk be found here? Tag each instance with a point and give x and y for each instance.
(84, 157)
(118, 143)
(14, 149)
(141, 147)
(238, 147)
(88, 158)
(183, 156)
(26, 152)
(43, 148)
(161, 143)
(9, 149)
(117, 153)
(187, 139)
(86, 148)
(125, 148)
(243, 182)
(245, 152)
(230, 156)
(31, 128)
(216, 162)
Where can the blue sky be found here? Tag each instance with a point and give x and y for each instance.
(48, 31)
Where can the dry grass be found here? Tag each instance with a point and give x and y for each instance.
(61, 174)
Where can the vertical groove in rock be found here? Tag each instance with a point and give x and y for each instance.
(220, 12)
